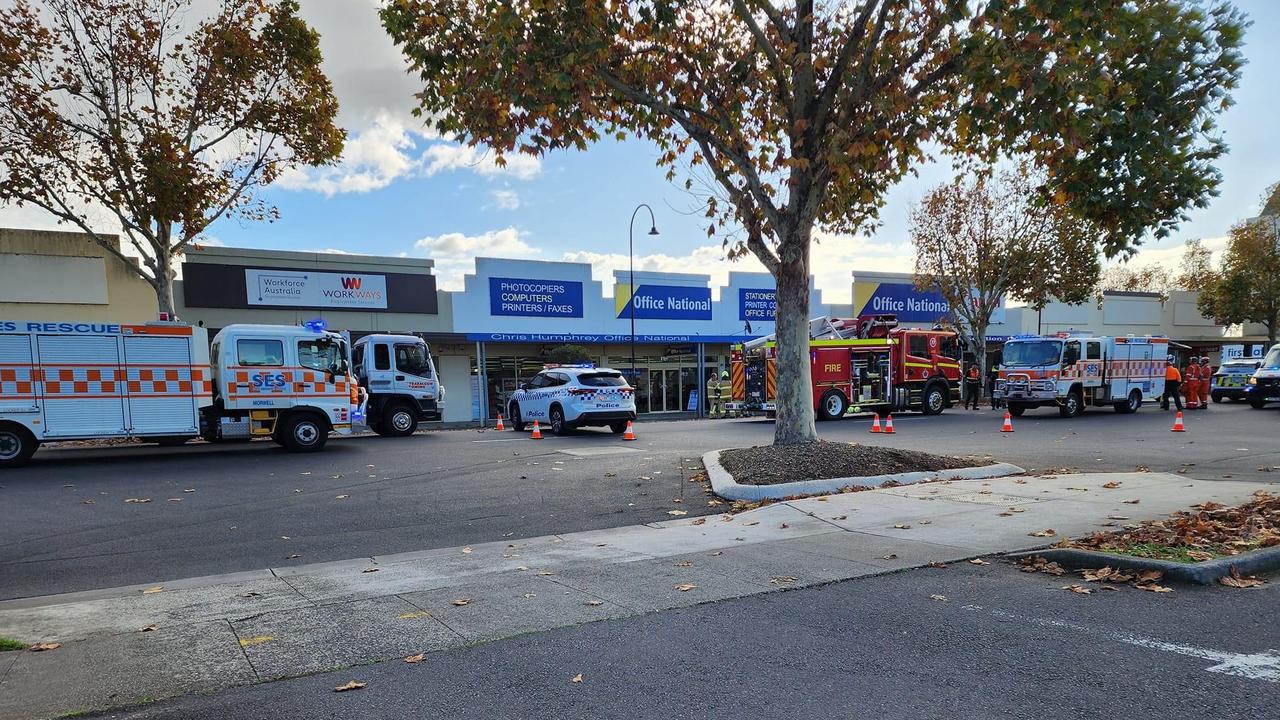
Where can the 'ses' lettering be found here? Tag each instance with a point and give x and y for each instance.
(268, 380)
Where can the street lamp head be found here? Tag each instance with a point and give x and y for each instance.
(654, 230)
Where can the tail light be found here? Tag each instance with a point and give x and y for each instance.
(580, 391)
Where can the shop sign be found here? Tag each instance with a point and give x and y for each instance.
(305, 289)
(909, 303)
(1237, 352)
(664, 302)
(757, 304)
(535, 298)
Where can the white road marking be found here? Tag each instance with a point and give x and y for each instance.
(1254, 666)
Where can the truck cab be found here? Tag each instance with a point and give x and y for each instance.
(399, 375)
(291, 383)
(1071, 371)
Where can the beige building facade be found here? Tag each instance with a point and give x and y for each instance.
(64, 276)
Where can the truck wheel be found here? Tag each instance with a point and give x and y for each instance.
(935, 399)
(1072, 406)
(617, 428)
(833, 405)
(1217, 397)
(400, 421)
(17, 445)
(1130, 404)
(302, 432)
(1257, 403)
(558, 424)
(513, 416)
(1017, 410)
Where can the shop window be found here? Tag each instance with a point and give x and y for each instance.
(918, 345)
(260, 353)
(381, 357)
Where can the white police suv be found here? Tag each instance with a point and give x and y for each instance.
(565, 397)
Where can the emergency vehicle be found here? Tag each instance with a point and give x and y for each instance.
(1072, 371)
(399, 377)
(165, 382)
(1264, 386)
(864, 365)
(572, 396)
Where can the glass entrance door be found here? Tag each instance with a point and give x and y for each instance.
(664, 390)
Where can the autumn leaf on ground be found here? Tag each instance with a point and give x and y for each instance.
(416, 658)
(685, 587)
(1143, 468)
(1048, 532)
(840, 517)
(1020, 481)
(1006, 514)
(718, 552)
(462, 601)
(939, 598)
(1036, 563)
(152, 590)
(684, 563)
(1117, 517)
(783, 526)
(677, 512)
(902, 526)
(150, 628)
(529, 595)
(545, 573)
(466, 551)
(1146, 576)
(978, 561)
(781, 580)
(1078, 589)
(250, 594)
(1111, 485)
(577, 678)
(1153, 587)
(137, 500)
(370, 570)
(1135, 501)
(1236, 580)
(593, 603)
(1199, 555)
(341, 497)
(353, 685)
(890, 556)
(44, 646)
(699, 521)
(753, 522)
(937, 565)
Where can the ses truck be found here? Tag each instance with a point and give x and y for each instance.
(166, 383)
(1071, 371)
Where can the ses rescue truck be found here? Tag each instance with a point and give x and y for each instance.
(1072, 371)
(165, 382)
(867, 364)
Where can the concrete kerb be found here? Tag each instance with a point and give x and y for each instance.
(725, 486)
(1202, 573)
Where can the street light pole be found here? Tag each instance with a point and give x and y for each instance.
(631, 280)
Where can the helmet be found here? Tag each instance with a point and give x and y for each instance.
(1204, 360)
(1171, 359)
(724, 374)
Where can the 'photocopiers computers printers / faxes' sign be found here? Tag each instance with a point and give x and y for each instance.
(535, 298)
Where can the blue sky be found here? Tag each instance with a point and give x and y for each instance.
(402, 190)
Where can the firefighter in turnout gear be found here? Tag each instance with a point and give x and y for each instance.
(718, 393)
(1206, 376)
(1191, 384)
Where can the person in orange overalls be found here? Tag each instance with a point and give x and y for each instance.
(1191, 383)
(1206, 376)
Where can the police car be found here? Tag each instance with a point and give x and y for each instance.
(1231, 380)
(565, 397)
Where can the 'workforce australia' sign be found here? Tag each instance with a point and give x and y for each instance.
(757, 304)
(286, 288)
(535, 298)
(663, 302)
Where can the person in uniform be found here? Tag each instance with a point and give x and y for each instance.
(972, 386)
(713, 395)
(1191, 383)
(1172, 379)
(1206, 376)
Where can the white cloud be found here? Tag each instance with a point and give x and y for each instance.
(455, 253)
(506, 199)
(1170, 256)
(452, 156)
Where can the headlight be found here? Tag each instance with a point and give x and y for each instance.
(1253, 381)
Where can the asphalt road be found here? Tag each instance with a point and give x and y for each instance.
(68, 526)
(1002, 644)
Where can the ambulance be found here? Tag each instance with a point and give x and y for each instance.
(1071, 371)
(164, 382)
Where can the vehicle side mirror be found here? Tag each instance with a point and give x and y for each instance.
(524, 386)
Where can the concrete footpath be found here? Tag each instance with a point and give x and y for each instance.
(141, 643)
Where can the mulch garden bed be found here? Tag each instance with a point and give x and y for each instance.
(1210, 530)
(774, 464)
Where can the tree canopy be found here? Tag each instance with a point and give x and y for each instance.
(804, 114)
(164, 123)
(1247, 286)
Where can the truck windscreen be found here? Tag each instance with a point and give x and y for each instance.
(1272, 361)
(1032, 353)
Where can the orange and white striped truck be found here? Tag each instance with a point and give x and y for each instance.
(166, 383)
(1071, 371)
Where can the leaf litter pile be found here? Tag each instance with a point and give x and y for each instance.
(773, 464)
(1107, 578)
(1208, 531)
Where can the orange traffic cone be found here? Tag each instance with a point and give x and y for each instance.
(630, 434)
(1177, 423)
(875, 422)
(888, 424)
(1008, 422)
(537, 432)
(499, 426)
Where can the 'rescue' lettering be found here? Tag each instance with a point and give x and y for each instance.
(59, 327)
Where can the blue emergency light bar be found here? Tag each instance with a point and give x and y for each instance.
(317, 325)
(552, 366)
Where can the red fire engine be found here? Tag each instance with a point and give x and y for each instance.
(864, 365)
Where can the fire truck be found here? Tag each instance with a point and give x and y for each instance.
(1072, 371)
(165, 382)
(864, 365)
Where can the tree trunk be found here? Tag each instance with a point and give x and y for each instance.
(164, 283)
(980, 355)
(794, 400)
